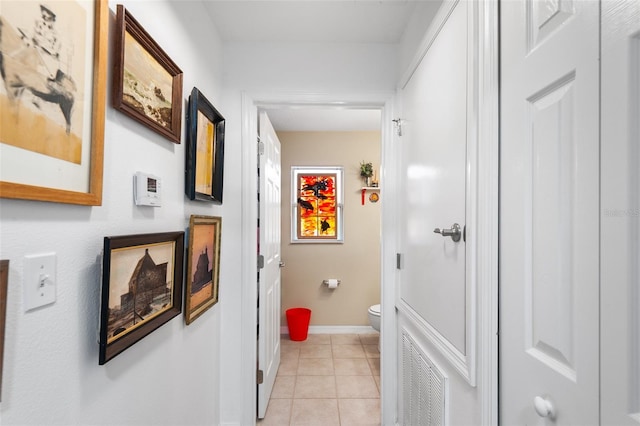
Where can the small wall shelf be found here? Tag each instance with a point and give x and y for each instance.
(364, 189)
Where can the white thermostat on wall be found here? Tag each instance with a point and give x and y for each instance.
(147, 190)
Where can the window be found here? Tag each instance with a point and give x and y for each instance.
(316, 196)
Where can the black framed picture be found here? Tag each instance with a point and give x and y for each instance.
(141, 288)
(205, 150)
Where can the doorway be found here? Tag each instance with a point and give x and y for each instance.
(323, 140)
(251, 104)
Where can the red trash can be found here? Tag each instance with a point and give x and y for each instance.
(298, 322)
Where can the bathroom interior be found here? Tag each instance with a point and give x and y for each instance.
(338, 281)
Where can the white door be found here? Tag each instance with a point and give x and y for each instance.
(434, 142)
(433, 303)
(269, 275)
(549, 212)
(620, 222)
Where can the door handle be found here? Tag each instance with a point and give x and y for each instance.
(454, 232)
(281, 264)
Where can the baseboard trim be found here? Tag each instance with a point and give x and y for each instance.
(335, 329)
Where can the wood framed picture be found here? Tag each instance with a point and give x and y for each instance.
(141, 288)
(316, 194)
(205, 150)
(147, 84)
(203, 265)
(54, 61)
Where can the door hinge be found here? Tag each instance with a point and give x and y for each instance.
(398, 261)
(398, 122)
(259, 377)
(260, 261)
(260, 148)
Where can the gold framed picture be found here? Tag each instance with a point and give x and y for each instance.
(52, 93)
(203, 265)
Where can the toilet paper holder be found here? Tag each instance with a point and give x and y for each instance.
(331, 283)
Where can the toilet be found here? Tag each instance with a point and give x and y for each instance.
(374, 316)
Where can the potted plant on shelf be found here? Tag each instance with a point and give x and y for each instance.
(366, 171)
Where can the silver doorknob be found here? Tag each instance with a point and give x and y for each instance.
(454, 232)
(544, 407)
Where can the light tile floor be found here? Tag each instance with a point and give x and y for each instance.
(327, 380)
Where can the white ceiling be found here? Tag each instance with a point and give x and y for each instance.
(314, 21)
(339, 21)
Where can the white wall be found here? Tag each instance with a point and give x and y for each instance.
(310, 67)
(356, 261)
(51, 371)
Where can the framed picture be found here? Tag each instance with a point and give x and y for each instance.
(316, 197)
(141, 288)
(203, 265)
(54, 63)
(147, 84)
(205, 150)
(4, 280)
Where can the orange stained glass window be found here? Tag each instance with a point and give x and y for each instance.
(317, 205)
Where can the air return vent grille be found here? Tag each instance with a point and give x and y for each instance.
(423, 387)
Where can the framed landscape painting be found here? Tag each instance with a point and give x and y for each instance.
(141, 288)
(203, 265)
(54, 60)
(147, 84)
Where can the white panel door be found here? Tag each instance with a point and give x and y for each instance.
(434, 145)
(269, 276)
(549, 212)
(434, 301)
(620, 223)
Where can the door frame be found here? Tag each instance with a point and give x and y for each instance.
(385, 102)
(487, 127)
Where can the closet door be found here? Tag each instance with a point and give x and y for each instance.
(549, 212)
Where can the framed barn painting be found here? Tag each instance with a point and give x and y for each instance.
(205, 150)
(54, 65)
(203, 265)
(316, 196)
(141, 288)
(147, 84)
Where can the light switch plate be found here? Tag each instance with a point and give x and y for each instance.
(39, 280)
